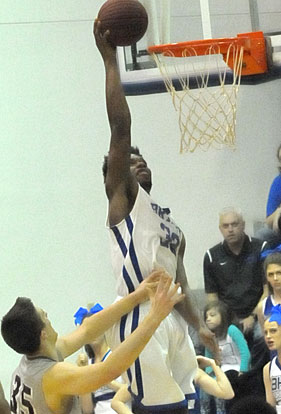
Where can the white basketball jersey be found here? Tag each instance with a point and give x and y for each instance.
(145, 240)
(275, 376)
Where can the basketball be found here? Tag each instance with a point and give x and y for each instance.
(125, 19)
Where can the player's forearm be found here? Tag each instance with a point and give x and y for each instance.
(117, 108)
(96, 375)
(102, 321)
(120, 407)
(223, 383)
(128, 351)
(189, 310)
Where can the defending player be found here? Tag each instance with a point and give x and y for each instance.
(42, 383)
(144, 237)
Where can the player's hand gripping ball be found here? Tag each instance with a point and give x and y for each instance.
(126, 20)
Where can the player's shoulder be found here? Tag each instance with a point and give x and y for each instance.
(277, 181)
(233, 330)
(215, 251)
(258, 243)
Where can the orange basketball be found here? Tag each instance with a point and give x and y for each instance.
(125, 19)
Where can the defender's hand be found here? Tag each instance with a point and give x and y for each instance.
(204, 362)
(165, 298)
(148, 286)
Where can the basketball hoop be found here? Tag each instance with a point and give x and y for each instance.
(207, 115)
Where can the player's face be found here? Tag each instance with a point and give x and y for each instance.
(232, 228)
(52, 334)
(213, 318)
(272, 335)
(139, 169)
(273, 275)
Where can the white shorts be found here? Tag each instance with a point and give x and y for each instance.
(164, 372)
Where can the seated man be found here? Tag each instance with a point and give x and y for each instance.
(43, 383)
(233, 271)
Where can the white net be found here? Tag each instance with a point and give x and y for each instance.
(206, 114)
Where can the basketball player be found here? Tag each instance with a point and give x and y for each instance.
(144, 237)
(43, 383)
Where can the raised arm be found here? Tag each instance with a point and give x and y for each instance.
(97, 324)
(121, 186)
(67, 379)
(219, 386)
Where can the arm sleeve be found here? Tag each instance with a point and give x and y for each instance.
(209, 280)
(208, 354)
(241, 343)
(274, 196)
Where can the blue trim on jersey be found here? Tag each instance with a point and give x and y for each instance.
(268, 306)
(119, 240)
(132, 251)
(135, 319)
(278, 363)
(128, 281)
(192, 396)
(130, 224)
(105, 355)
(122, 338)
(124, 250)
(138, 374)
(104, 397)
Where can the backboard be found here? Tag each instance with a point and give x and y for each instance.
(181, 20)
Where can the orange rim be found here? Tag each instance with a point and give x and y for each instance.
(253, 43)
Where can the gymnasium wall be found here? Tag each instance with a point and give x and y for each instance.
(54, 133)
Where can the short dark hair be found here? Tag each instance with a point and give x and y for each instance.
(21, 327)
(224, 312)
(252, 405)
(133, 150)
(272, 258)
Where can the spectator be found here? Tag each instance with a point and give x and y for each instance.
(272, 370)
(272, 269)
(233, 272)
(235, 355)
